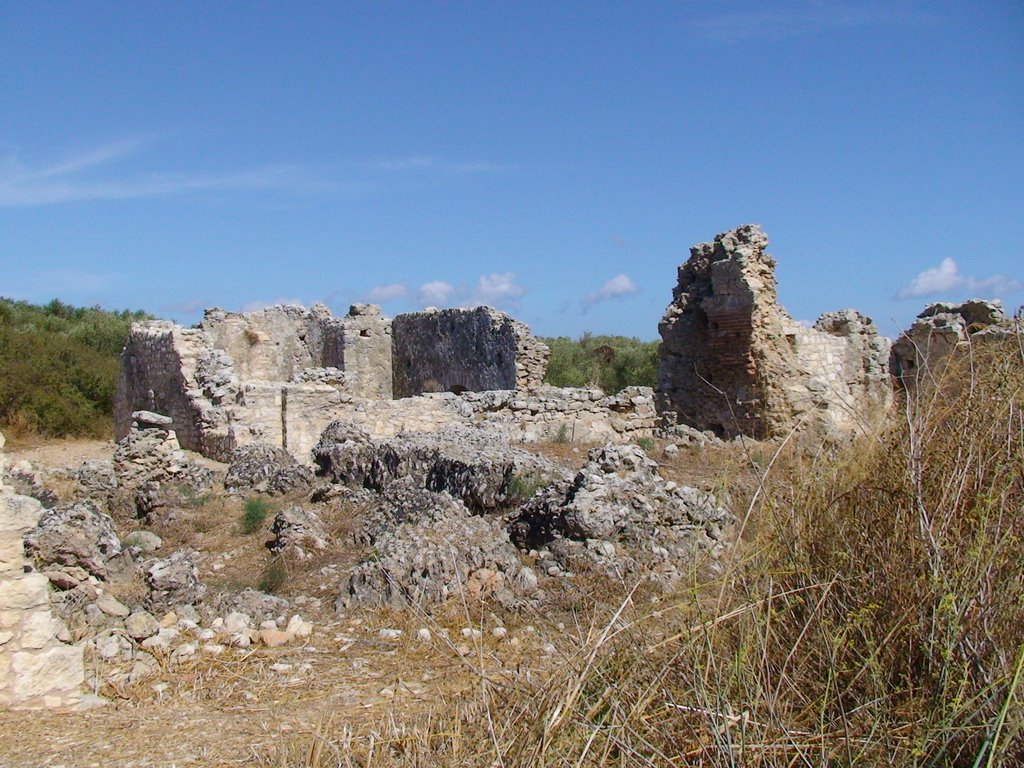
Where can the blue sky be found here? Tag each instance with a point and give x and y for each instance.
(554, 159)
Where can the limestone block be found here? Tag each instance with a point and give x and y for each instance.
(54, 670)
(24, 591)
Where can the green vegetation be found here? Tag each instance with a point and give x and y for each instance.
(273, 577)
(608, 362)
(58, 367)
(254, 514)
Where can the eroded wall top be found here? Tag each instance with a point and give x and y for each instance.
(733, 361)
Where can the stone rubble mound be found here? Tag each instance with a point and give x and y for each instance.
(173, 581)
(475, 465)
(74, 535)
(618, 513)
(150, 453)
(427, 547)
(266, 469)
(298, 532)
(25, 480)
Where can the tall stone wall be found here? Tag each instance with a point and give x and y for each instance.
(733, 361)
(459, 350)
(38, 669)
(366, 360)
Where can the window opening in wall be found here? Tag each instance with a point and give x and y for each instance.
(365, 333)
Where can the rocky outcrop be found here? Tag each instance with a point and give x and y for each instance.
(618, 514)
(298, 532)
(477, 466)
(733, 361)
(943, 331)
(429, 547)
(74, 535)
(266, 469)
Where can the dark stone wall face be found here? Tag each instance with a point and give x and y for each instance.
(453, 350)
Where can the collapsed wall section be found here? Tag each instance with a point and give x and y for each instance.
(733, 361)
(460, 350)
(943, 332)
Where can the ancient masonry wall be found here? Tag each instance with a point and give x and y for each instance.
(37, 669)
(733, 361)
(457, 350)
(941, 333)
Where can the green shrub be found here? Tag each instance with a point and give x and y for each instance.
(254, 514)
(59, 367)
(274, 576)
(608, 362)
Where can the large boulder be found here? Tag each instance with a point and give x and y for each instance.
(428, 547)
(297, 532)
(475, 465)
(74, 534)
(173, 581)
(266, 469)
(619, 512)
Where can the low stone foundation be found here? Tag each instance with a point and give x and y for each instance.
(38, 670)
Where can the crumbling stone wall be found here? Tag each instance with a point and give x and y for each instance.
(367, 352)
(38, 669)
(943, 331)
(459, 350)
(733, 361)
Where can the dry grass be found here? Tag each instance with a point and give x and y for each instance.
(873, 615)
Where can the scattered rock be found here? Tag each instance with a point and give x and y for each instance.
(141, 625)
(74, 534)
(266, 469)
(297, 531)
(173, 581)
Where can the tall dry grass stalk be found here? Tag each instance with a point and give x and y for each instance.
(872, 615)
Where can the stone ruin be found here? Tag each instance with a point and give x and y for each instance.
(941, 333)
(39, 666)
(733, 361)
(280, 375)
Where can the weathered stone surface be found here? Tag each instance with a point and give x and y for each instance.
(25, 480)
(475, 465)
(458, 350)
(618, 513)
(940, 333)
(37, 669)
(297, 532)
(97, 477)
(428, 545)
(734, 362)
(173, 581)
(266, 469)
(153, 455)
(74, 534)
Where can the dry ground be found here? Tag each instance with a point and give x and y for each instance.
(237, 708)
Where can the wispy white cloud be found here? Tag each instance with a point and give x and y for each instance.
(436, 293)
(780, 21)
(498, 289)
(389, 292)
(88, 175)
(437, 164)
(616, 287)
(947, 277)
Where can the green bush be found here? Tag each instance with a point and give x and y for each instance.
(59, 367)
(609, 362)
(254, 514)
(274, 576)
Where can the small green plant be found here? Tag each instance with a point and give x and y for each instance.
(522, 487)
(274, 576)
(254, 515)
(647, 443)
(562, 436)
